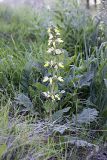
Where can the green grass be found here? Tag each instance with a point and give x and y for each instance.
(23, 52)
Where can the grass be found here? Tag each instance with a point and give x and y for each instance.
(26, 130)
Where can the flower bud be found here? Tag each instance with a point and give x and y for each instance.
(49, 30)
(50, 79)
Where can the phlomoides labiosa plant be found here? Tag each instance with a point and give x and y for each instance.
(54, 67)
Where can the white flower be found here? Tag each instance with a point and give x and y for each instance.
(53, 97)
(57, 97)
(52, 63)
(46, 64)
(55, 77)
(56, 66)
(59, 40)
(62, 92)
(47, 94)
(61, 65)
(50, 50)
(49, 42)
(45, 79)
(60, 79)
(54, 44)
(50, 36)
(58, 51)
(57, 32)
(51, 80)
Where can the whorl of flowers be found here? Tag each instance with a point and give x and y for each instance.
(54, 65)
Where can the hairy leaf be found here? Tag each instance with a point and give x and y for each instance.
(86, 79)
(58, 115)
(23, 100)
(86, 116)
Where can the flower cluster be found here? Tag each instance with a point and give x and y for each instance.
(52, 96)
(54, 41)
(54, 65)
(54, 78)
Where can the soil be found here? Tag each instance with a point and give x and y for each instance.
(101, 155)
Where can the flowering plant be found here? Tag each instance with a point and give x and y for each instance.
(54, 65)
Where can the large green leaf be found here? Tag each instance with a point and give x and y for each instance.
(86, 79)
(86, 116)
(40, 87)
(23, 100)
(59, 114)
